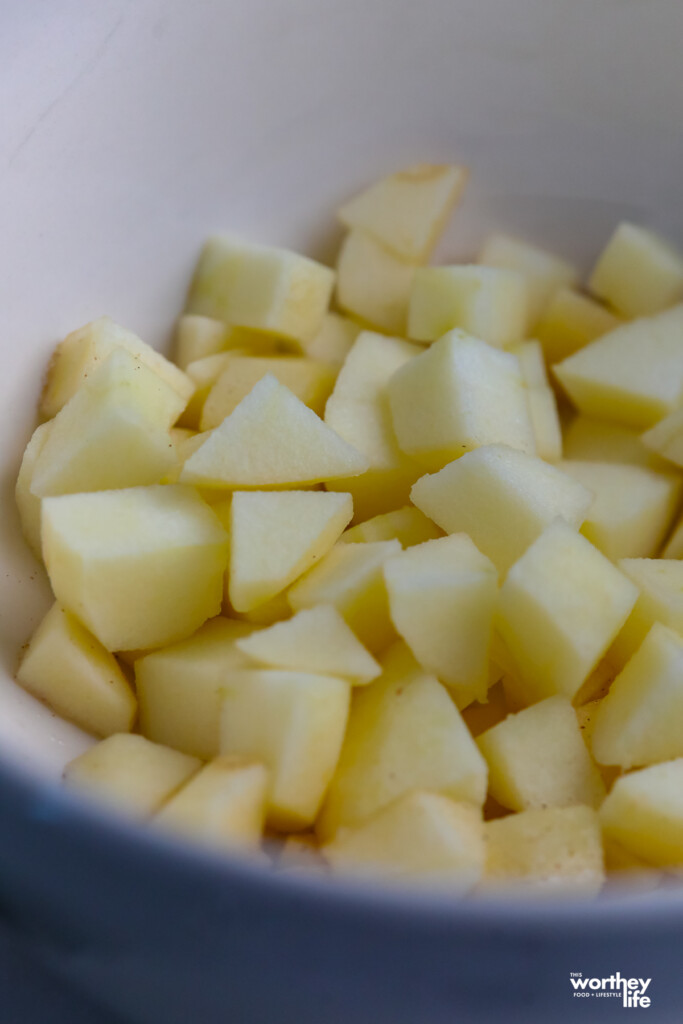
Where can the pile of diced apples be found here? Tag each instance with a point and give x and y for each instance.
(356, 571)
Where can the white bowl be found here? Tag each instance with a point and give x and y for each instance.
(131, 130)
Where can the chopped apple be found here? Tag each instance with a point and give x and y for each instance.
(548, 851)
(203, 373)
(179, 687)
(633, 375)
(502, 498)
(309, 380)
(569, 322)
(314, 640)
(589, 440)
(422, 838)
(643, 813)
(261, 287)
(65, 666)
(545, 420)
(275, 536)
(560, 607)
(638, 272)
(537, 758)
(140, 567)
(404, 733)
(83, 350)
(271, 439)
(442, 596)
(407, 525)
(458, 395)
(197, 338)
(223, 806)
(408, 211)
(660, 581)
(666, 438)
(350, 577)
(487, 302)
(28, 504)
(373, 284)
(131, 774)
(632, 510)
(531, 363)
(543, 272)
(334, 340)
(294, 722)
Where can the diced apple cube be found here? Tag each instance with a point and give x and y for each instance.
(660, 581)
(271, 439)
(350, 577)
(69, 669)
(223, 806)
(442, 596)
(83, 350)
(502, 498)
(545, 419)
(643, 813)
(261, 287)
(422, 838)
(407, 525)
(537, 758)
(294, 722)
(560, 607)
(638, 272)
(140, 567)
(408, 211)
(639, 720)
(632, 509)
(275, 536)
(131, 774)
(28, 504)
(198, 337)
(314, 640)
(404, 733)
(666, 438)
(633, 375)
(551, 851)
(309, 380)
(543, 272)
(458, 395)
(589, 440)
(531, 363)
(571, 321)
(488, 303)
(373, 283)
(334, 340)
(179, 687)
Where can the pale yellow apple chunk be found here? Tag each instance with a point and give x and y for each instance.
(458, 395)
(407, 525)
(638, 272)
(639, 721)
(487, 302)
(294, 723)
(537, 758)
(502, 498)
(311, 381)
(632, 510)
(271, 439)
(112, 433)
(179, 687)
(560, 607)
(203, 373)
(197, 338)
(633, 375)
(543, 272)
(404, 733)
(665, 439)
(589, 440)
(275, 536)
(130, 774)
(334, 340)
(373, 284)
(643, 813)
(84, 350)
(571, 321)
(545, 420)
(421, 838)
(140, 567)
(68, 668)
(408, 211)
(442, 597)
(350, 577)
(223, 806)
(314, 640)
(551, 851)
(261, 287)
(28, 504)
(660, 581)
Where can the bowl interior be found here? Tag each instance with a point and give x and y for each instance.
(136, 129)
